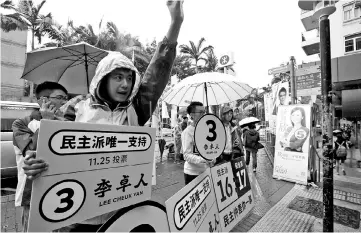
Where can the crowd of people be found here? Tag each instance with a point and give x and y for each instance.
(240, 141)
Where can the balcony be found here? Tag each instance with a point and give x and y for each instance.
(308, 21)
(311, 42)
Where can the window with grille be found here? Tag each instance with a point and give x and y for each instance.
(353, 43)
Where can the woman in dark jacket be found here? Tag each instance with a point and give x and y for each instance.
(251, 140)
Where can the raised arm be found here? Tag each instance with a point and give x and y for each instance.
(158, 72)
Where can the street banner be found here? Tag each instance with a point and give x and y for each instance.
(268, 101)
(233, 192)
(194, 208)
(93, 169)
(292, 143)
(209, 137)
(308, 81)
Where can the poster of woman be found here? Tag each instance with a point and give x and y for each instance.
(292, 142)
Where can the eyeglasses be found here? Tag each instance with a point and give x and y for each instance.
(58, 97)
(201, 112)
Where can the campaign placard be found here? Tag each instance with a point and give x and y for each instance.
(210, 137)
(233, 192)
(194, 208)
(93, 169)
(292, 143)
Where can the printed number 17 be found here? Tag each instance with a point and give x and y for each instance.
(241, 175)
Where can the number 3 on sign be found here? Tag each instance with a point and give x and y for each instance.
(212, 130)
(62, 201)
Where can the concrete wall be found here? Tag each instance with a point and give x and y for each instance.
(340, 29)
(13, 55)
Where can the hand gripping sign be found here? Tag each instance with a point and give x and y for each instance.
(210, 137)
(93, 169)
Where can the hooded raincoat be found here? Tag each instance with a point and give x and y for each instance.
(136, 111)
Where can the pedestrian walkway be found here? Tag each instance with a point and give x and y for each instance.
(281, 218)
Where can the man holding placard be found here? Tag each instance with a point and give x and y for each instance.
(195, 164)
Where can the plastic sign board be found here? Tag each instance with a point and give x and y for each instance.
(194, 208)
(277, 70)
(233, 192)
(147, 216)
(292, 143)
(308, 81)
(93, 169)
(210, 137)
(226, 60)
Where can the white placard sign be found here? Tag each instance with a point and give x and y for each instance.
(194, 208)
(292, 143)
(93, 169)
(210, 137)
(233, 192)
(147, 216)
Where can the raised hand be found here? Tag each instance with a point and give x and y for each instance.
(47, 110)
(176, 10)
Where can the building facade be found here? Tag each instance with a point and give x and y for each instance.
(13, 56)
(345, 35)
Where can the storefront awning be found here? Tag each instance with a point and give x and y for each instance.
(351, 102)
(346, 70)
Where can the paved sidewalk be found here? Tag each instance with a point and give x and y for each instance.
(283, 219)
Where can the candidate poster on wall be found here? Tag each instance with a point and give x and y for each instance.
(194, 208)
(93, 169)
(280, 96)
(292, 143)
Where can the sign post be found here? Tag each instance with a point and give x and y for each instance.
(93, 169)
(277, 70)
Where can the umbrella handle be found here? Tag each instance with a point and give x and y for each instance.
(205, 89)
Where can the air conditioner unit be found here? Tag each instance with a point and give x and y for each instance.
(357, 3)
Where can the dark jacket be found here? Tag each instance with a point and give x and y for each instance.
(251, 138)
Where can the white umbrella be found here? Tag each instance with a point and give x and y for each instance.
(73, 66)
(208, 88)
(248, 120)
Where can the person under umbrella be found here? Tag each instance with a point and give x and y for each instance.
(251, 140)
(118, 96)
(340, 151)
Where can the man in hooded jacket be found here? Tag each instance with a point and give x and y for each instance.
(117, 95)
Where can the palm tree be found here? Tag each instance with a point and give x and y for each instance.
(211, 62)
(195, 52)
(126, 44)
(13, 21)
